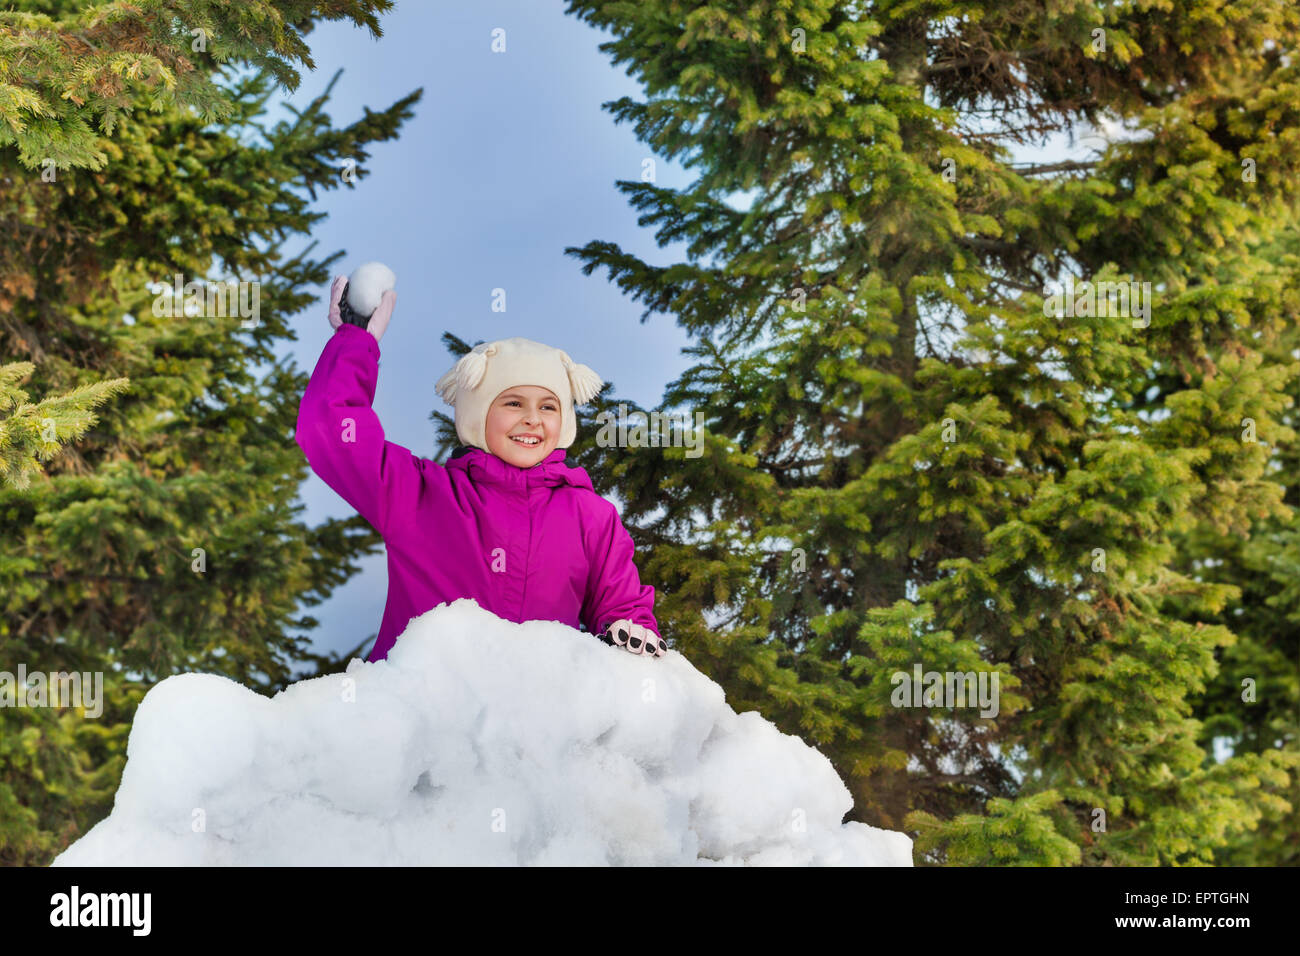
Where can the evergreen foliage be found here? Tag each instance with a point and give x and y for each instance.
(167, 537)
(912, 459)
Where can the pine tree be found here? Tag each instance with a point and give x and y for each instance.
(166, 538)
(70, 71)
(913, 459)
(34, 431)
(1253, 704)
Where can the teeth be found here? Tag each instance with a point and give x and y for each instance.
(525, 441)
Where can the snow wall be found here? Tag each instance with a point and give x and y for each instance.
(477, 742)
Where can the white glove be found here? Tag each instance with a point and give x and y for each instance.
(634, 639)
(378, 322)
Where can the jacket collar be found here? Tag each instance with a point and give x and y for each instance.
(486, 468)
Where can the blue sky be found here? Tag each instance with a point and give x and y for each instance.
(508, 159)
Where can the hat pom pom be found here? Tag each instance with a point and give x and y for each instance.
(465, 374)
(446, 387)
(583, 381)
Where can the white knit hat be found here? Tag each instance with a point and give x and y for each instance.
(482, 374)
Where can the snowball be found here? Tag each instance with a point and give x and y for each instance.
(367, 285)
(477, 742)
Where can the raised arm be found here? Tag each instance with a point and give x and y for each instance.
(340, 433)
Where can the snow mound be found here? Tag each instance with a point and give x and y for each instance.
(477, 742)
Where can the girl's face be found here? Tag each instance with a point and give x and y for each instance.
(523, 411)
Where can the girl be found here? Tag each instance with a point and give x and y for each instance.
(506, 521)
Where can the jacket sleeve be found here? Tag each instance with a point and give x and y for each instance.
(341, 436)
(614, 589)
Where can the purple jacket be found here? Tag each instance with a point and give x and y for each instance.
(527, 544)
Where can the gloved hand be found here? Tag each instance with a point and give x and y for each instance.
(634, 638)
(378, 321)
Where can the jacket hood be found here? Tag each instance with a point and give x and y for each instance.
(485, 468)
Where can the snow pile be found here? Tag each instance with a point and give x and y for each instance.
(477, 742)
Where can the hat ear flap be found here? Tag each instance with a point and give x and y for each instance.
(583, 381)
(465, 375)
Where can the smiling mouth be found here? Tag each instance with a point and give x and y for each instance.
(526, 442)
